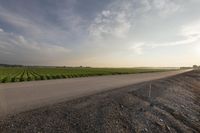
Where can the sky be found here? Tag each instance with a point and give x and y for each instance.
(100, 33)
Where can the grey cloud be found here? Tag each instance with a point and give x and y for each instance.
(16, 48)
(60, 31)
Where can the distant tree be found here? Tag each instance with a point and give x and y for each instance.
(195, 67)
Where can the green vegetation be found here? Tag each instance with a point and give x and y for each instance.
(20, 74)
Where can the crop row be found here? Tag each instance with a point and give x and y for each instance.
(30, 74)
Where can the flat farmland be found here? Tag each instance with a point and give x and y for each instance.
(20, 74)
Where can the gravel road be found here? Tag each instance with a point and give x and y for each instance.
(17, 97)
(169, 105)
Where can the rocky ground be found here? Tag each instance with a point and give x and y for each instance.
(166, 105)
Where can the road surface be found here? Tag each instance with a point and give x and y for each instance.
(18, 97)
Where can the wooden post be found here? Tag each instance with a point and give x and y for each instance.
(150, 90)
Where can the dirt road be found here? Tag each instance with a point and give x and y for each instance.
(169, 105)
(17, 97)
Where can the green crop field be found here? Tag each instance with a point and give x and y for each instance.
(19, 74)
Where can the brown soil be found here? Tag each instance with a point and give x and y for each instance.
(166, 105)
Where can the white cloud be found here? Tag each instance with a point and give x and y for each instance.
(192, 29)
(106, 13)
(137, 47)
(114, 21)
(166, 7)
(1, 30)
(113, 27)
(114, 24)
(190, 34)
(120, 17)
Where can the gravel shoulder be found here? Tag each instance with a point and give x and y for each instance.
(165, 105)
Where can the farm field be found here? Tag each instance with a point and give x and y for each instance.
(20, 74)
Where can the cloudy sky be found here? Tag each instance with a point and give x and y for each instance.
(102, 33)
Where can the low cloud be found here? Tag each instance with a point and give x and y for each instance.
(16, 48)
(137, 48)
(190, 34)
